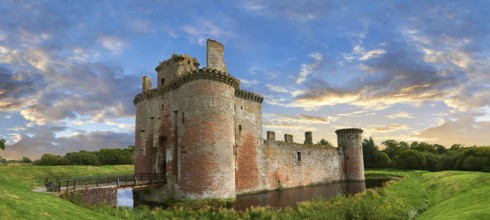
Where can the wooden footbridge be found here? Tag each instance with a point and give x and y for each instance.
(58, 184)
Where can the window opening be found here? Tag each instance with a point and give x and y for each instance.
(182, 118)
(162, 81)
(298, 156)
(239, 127)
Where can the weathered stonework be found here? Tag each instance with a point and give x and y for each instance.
(204, 133)
(350, 141)
(93, 196)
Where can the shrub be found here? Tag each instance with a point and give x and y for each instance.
(411, 159)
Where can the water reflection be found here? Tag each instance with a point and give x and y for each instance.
(125, 198)
(289, 197)
(280, 199)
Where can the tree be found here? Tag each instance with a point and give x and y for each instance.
(382, 160)
(392, 148)
(369, 152)
(113, 156)
(83, 158)
(325, 143)
(423, 146)
(26, 160)
(2, 144)
(411, 160)
(53, 160)
(440, 149)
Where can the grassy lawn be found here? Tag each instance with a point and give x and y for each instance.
(18, 201)
(458, 195)
(418, 194)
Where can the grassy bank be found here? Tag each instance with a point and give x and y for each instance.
(418, 194)
(18, 201)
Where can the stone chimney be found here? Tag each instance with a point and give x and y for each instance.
(308, 137)
(215, 58)
(288, 138)
(146, 84)
(271, 136)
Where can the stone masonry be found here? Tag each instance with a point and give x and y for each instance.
(204, 133)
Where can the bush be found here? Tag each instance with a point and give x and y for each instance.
(411, 159)
(53, 160)
(83, 158)
(25, 160)
(432, 161)
(382, 160)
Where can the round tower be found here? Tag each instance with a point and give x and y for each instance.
(350, 142)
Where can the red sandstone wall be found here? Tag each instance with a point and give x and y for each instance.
(350, 140)
(248, 139)
(282, 168)
(206, 139)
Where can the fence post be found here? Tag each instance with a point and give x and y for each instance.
(97, 181)
(59, 187)
(74, 184)
(67, 184)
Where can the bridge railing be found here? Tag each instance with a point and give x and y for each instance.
(58, 184)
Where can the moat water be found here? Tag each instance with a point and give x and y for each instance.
(282, 198)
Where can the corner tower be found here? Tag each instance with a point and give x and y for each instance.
(350, 143)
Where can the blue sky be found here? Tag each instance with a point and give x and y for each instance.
(404, 70)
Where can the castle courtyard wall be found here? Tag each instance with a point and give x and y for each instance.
(290, 165)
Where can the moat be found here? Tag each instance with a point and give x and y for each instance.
(282, 198)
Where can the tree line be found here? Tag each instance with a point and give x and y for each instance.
(424, 156)
(105, 156)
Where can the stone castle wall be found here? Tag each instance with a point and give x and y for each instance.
(289, 164)
(248, 153)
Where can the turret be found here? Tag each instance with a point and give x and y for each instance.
(175, 67)
(350, 143)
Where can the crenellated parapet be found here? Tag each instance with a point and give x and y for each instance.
(348, 131)
(205, 73)
(249, 96)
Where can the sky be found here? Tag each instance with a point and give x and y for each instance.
(403, 70)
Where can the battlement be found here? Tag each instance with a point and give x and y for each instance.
(249, 96)
(205, 73)
(348, 131)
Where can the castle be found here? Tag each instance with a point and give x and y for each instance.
(203, 133)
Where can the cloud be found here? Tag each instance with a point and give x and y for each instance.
(371, 54)
(292, 10)
(248, 83)
(17, 89)
(386, 128)
(299, 119)
(114, 44)
(400, 115)
(143, 26)
(43, 140)
(398, 76)
(276, 88)
(464, 130)
(307, 69)
(203, 29)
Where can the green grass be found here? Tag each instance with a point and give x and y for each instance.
(417, 194)
(18, 201)
(458, 195)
